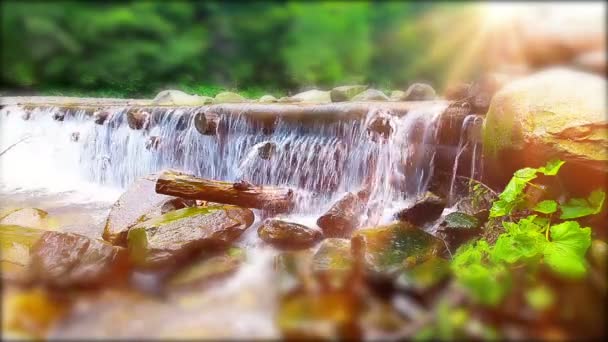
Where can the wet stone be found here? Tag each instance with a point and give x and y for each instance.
(288, 235)
(66, 260)
(425, 210)
(171, 238)
(207, 269)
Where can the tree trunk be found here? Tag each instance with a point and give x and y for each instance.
(242, 194)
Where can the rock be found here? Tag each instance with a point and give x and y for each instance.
(75, 136)
(138, 202)
(15, 244)
(381, 125)
(312, 96)
(288, 235)
(425, 276)
(419, 92)
(557, 113)
(207, 122)
(425, 210)
(457, 91)
(457, 228)
(594, 61)
(229, 97)
(179, 98)
(266, 149)
(286, 99)
(267, 99)
(397, 95)
(371, 95)
(168, 239)
(397, 246)
(138, 119)
(332, 263)
(208, 269)
(100, 116)
(66, 260)
(343, 216)
(345, 93)
(59, 115)
(153, 142)
(26, 217)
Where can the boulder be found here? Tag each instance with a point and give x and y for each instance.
(397, 246)
(288, 235)
(100, 116)
(25, 217)
(312, 96)
(140, 201)
(371, 95)
(419, 92)
(343, 216)
(168, 239)
(67, 260)
(229, 97)
(345, 93)
(425, 210)
(138, 119)
(267, 99)
(179, 98)
(557, 113)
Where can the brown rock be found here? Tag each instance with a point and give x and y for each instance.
(344, 216)
(288, 235)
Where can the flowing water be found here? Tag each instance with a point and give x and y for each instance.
(322, 160)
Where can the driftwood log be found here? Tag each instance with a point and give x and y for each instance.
(273, 199)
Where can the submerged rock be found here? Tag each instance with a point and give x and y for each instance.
(266, 149)
(557, 113)
(288, 235)
(152, 143)
(15, 244)
(168, 239)
(419, 92)
(312, 96)
(139, 202)
(371, 95)
(229, 97)
(345, 93)
(179, 98)
(425, 210)
(26, 217)
(59, 115)
(381, 126)
(64, 260)
(208, 269)
(397, 246)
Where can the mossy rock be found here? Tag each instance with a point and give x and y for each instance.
(371, 95)
(312, 96)
(333, 262)
(229, 97)
(557, 113)
(179, 98)
(398, 246)
(288, 235)
(267, 99)
(168, 239)
(345, 93)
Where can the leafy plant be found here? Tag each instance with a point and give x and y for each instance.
(484, 269)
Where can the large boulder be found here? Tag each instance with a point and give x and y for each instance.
(179, 98)
(345, 93)
(557, 113)
(312, 96)
(140, 202)
(168, 239)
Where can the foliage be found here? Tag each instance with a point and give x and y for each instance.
(137, 48)
(484, 269)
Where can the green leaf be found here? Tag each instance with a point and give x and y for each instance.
(565, 254)
(516, 246)
(552, 167)
(487, 285)
(546, 207)
(579, 207)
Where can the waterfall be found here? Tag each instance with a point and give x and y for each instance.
(322, 159)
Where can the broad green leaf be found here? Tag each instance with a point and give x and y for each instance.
(546, 207)
(487, 285)
(579, 207)
(518, 246)
(552, 167)
(565, 254)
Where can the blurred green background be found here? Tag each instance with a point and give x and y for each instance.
(135, 48)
